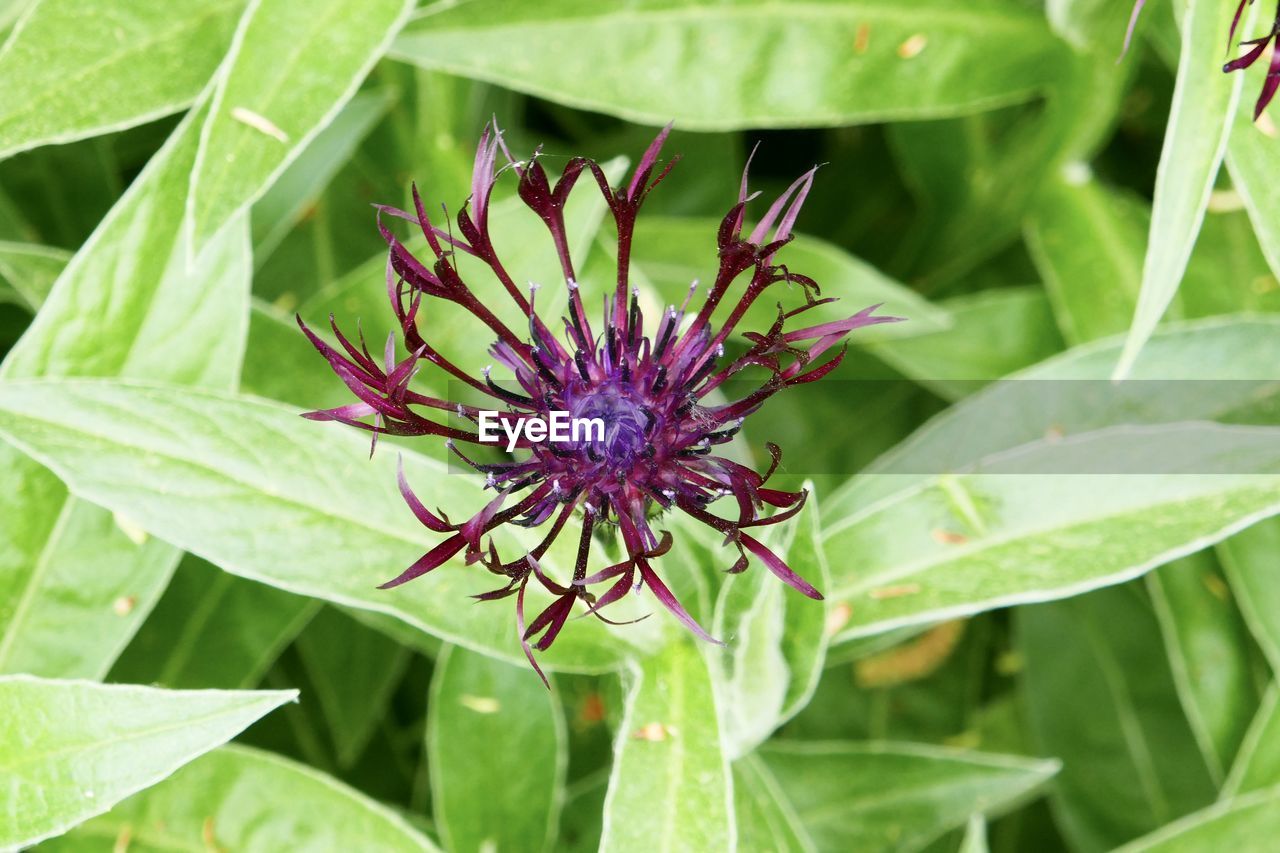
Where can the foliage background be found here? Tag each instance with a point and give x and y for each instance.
(1004, 662)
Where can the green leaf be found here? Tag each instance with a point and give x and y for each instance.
(895, 796)
(940, 545)
(777, 639)
(212, 629)
(1244, 823)
(993, 333)
(1208, 647)
(29, 270)
(481, 710)
(199, 469)
(766, 819)
(975, 836)
(66, 79)
(1257, 765)
(1086, 239)
(955, 544)
(291, 68)
(124, 305)
(75, 581)
(670, 786)
(70, 749)
(1088, 23)
(1100, 694)
(305, 179)
(1200, 118)
(811, 63)
(1249, 561)
(354, 669)
(246, 800)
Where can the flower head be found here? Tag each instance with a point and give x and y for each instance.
(656, 388)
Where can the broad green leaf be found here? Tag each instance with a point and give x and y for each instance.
(1086, 239)
(483, 710)
(670, 786)
(258, 491)
(1200, 121)
(1208, 647)
(1252, 153)
(1100, 694)
(1251, 822)
(1257, 765)
(291, 68)
(673, 251)
(73, 71)
(29, 270)
(1021, 527)
(354, 669)
(305, 179)
(813, 63)
(766, 819)
(212, 629)
(72, 749)
(903, 523)
(126, 304)
(993, 333)
(776, 639)
(1250, 560)
(75, 581)
(246, 800)
(895, 796)
(1088, 23)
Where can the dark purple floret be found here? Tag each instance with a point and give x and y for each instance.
(648, 384)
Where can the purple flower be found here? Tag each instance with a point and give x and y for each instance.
(1256, 47)
(648, 387)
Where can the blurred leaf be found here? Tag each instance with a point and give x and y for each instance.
(895, 796)
(290, 69)
(303, 181)
(246, 800)
(354, 669)
(124, 305)
(263, 494)
(1252, 152)
(70, 749)
(1089, 23)
(1087, 241)
(673, 251)
(212, 629)
(975, 836)
(766, 819)
(1204, 102)
(993, 333)
(1208, 647)
(799, 64)
(776, 639)
(669, 787)
(1251, 822)
(73, 70)
(1257, 765)
(483, 711)
(1251, 559)
(29, 270)
(1100, 694)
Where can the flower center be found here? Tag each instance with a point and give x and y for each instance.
(624, 424)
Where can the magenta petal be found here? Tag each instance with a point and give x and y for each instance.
(670, 602)
(774, 564)
(434, 558)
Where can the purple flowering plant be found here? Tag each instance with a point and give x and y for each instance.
(655, 389)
